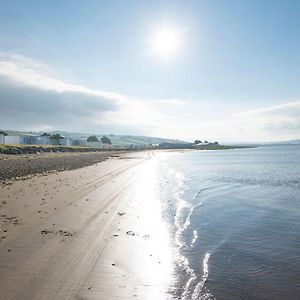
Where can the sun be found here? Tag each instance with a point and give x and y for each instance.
(165, 42)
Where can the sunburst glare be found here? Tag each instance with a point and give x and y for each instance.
(166, 42)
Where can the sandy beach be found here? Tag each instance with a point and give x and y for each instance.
(89, 233)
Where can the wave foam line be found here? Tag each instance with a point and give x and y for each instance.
(199, 293)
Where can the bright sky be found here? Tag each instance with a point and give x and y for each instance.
(219, 70)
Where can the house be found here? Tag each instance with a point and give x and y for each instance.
(154, 145)
(13, 140)
(43, 139)
(64, 141)
(34, 139)
(106, 142)
(99, 145)
(79, 142)
(106, 146)
(94, 144)
(57, 139)
(24, 139)
(200, 143)
(29, 139)
(82, 142)
(2, 137)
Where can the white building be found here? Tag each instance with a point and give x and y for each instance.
(65, 141)
(79, 142)
(60, 140)
(43, 139)
(202, 144)
(154, 145)
(99, 145)
(82, 142)
(29, 139)
(26, 139)
(94, 144)
(33, 139)
(2, 137)
(13, 140)
(106, 146)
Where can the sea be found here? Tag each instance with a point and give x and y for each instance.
(234, 219)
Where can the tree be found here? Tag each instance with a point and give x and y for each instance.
(92, 138)
(197, 142)
(105, 140)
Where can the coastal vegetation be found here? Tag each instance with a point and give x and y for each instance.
(93, 139)
(32, 149)
(30, 143)
(105, 140)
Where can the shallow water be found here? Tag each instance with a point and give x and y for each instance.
(235, 220)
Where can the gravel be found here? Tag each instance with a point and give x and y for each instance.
(23, 165)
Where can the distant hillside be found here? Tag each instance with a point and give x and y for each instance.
(127, 140)
(117, 140)
(292, 142)
(122, 140)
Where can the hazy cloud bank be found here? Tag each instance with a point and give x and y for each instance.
(272, 123)
(32, 97)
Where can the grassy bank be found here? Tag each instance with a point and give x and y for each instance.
(31, 149)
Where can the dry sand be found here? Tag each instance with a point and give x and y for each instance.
(90, 233)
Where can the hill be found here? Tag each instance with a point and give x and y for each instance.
(122, 141)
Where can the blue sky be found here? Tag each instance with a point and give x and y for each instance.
(235, 76)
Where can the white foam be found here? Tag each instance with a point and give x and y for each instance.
(195, 237)
(199, 293)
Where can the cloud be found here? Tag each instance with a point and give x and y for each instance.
(32, 97)
(289, 113)
(24, 71)
(271, 123)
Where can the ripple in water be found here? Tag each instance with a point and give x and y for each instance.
(235, 219)
(194, 287)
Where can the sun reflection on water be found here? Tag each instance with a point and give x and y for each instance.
(155, 255)
(193, 284)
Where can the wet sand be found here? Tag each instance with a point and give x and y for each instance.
(89, 233)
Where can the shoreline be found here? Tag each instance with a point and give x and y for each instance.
(93, 233)
(23, 166)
